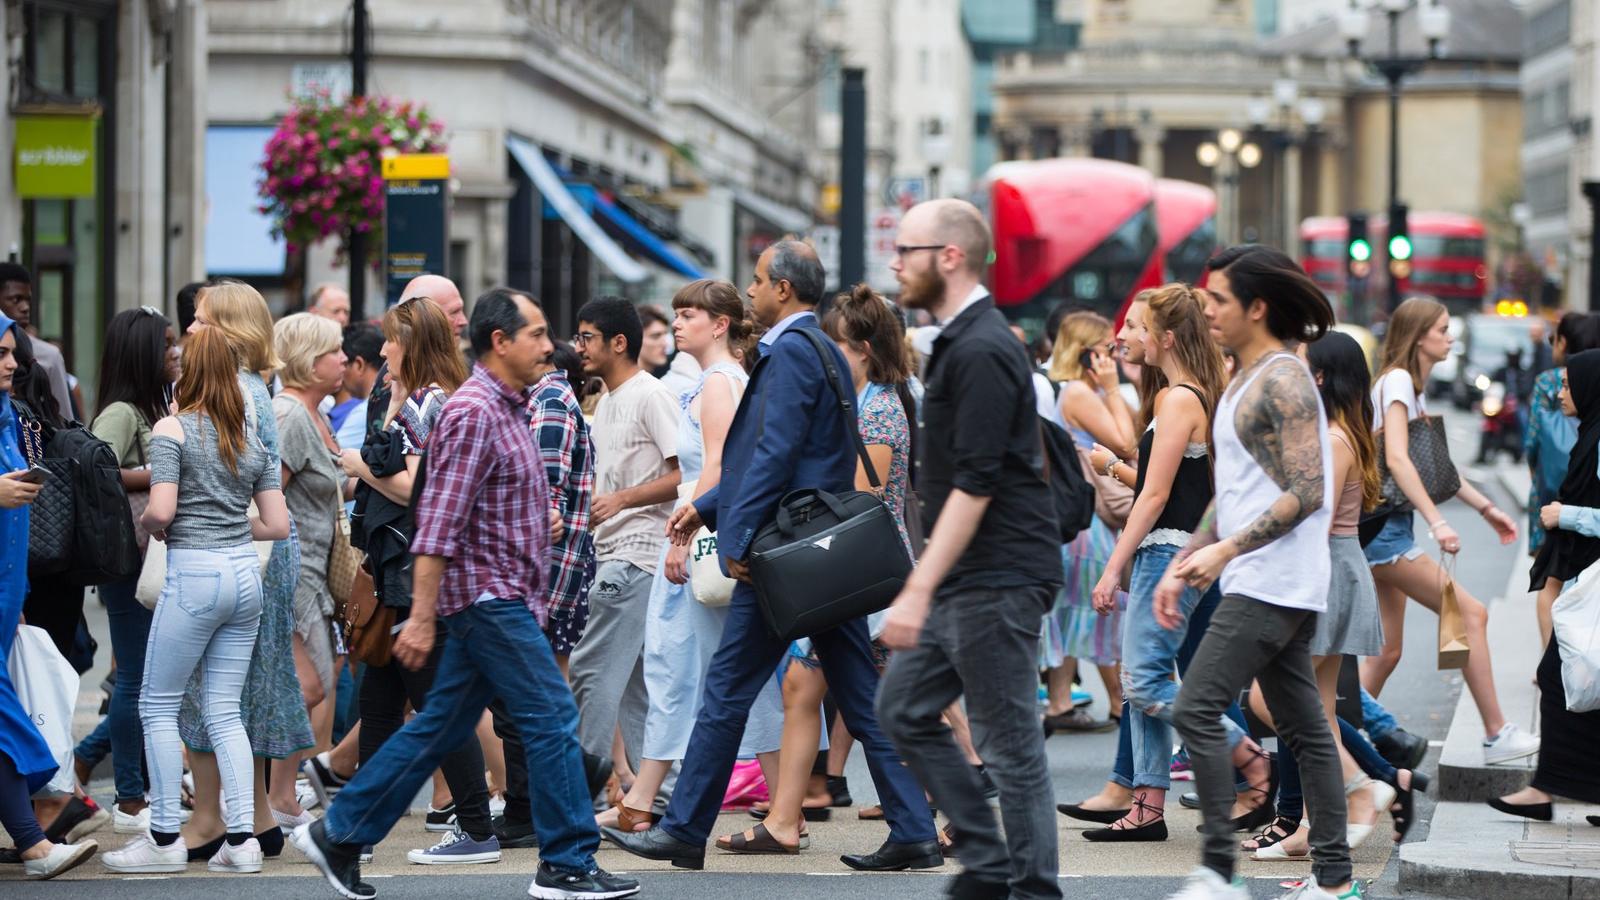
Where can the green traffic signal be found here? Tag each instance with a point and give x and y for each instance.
(1360, 250)
(1400, 247)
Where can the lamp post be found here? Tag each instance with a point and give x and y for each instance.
(1298, 118)
(1227, 155)
(935, 152)
(1434, 22)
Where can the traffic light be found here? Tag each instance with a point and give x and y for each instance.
(1399, 242)
(1358, 249)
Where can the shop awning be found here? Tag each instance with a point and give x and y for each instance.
(776, 214)
(555, 193)
(642, 238)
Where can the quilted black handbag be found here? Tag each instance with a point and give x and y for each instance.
(1429, 450)
(52, 517)
(828, 558)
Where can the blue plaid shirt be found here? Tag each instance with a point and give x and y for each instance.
(568, 452)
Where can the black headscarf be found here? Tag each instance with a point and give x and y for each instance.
(1567, 553)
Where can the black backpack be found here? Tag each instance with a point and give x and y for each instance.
(104, 547)
(1071, 494)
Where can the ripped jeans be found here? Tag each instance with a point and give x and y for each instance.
(1149, 659)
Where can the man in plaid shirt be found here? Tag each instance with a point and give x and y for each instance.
(564, 442)
(482, 549)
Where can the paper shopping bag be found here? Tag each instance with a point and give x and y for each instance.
(1452, 627)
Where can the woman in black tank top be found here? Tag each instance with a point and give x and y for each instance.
(1172, 490)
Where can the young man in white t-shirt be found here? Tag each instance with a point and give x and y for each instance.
(1266, 539)
(635, 432)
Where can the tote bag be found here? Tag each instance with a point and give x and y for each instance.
(48, 687)
(1577, 620)
(706, 581)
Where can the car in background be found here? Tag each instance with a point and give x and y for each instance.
(1441, 381)
(1486, 341)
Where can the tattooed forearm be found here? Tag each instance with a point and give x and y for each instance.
(1278, 422)
(1205, 532)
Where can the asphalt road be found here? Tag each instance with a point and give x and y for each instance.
(1078, 764)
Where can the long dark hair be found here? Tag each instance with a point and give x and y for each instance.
(1347, 396)
(864, 320)
(31, 387)
(1297, 310)
(133, 366)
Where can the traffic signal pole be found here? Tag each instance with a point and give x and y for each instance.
(358, 88)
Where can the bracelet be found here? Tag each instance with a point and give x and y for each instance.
(1111, 464)
(1437, 525)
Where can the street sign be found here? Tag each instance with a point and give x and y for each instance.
(308, 78)
(55, 155)
(904, 193)
(882, 227)
(415, 219)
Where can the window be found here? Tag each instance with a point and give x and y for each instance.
(1547, 110)
(1547, 190)
(1547, 29)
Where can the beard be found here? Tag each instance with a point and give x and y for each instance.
(924, 290)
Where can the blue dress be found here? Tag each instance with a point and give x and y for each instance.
(19, 739)
(681, 634)
(273, 709)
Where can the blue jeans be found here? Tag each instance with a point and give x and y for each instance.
(1149, 654)
(740, 669)
(1378, 722)
(207, 617)
(493, 649)
(121, 732)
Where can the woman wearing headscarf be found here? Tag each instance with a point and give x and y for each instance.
(26, 763)
(1566, 768)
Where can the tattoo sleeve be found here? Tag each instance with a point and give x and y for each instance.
(1204, 533)
(1278, 422)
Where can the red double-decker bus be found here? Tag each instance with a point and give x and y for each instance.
(1078, 231)
(1448, 258)
(1186, 222)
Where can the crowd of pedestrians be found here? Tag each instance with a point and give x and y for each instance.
(555, 619)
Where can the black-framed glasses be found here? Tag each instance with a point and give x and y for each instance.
(584, 337)
(901, 250)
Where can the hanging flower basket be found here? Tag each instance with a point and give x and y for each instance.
(322, 175)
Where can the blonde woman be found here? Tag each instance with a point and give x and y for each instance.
(1418, 339)
(273, 708)
(1084, 362)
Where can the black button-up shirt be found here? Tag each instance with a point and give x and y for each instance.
(981, 435)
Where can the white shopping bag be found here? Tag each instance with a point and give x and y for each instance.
(48, 686)
(1577, 621)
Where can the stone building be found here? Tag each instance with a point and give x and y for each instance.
(1559, 96)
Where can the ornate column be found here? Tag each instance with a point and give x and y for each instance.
(1151, 147)
(1075, 139)
(1291, 194)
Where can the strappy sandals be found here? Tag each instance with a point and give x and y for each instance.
(760, 841)
(1265, 811)
(1279, 830)
(1403, 810)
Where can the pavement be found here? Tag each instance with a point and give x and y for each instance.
(1425, 700)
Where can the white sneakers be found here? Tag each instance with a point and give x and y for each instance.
(1204, 884)
(1512, 743)
(289, 823)
(143, 856)
(243, 859)
(61, 858)
(123, 823)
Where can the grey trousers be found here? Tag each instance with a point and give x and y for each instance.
(1250, 639)
(981, 643)
(607, 667)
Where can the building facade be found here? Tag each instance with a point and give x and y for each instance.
(100, 196)
(1559, 97)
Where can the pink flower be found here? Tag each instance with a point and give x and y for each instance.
(413, 123)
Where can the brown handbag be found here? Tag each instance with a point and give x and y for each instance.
(368, 624)
(344, 560)
(1113, 500)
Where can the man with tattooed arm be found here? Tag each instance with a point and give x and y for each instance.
(1266, 538)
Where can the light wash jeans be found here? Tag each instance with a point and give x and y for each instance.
(207, 617)
(1149, 655)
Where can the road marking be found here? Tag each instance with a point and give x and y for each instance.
(1436, 743)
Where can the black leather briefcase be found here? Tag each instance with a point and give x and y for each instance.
(828, 558)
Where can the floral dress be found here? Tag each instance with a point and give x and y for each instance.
(273, 710)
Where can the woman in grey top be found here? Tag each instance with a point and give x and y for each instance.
(311, 349)
(207, 463)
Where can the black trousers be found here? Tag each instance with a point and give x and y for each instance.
(384, 692)
(55, 606)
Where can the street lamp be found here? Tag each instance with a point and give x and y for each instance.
(935, 152)
(1227, 155)
(1434, 22)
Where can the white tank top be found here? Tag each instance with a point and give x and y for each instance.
(1293, 570)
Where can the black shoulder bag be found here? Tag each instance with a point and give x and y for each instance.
(828, 558)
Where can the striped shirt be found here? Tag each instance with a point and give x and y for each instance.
(484, 502)
(568, 450)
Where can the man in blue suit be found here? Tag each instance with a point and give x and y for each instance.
(788, 434)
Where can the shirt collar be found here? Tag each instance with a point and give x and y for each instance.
(978, 293)
(776, 331)
(506, 392)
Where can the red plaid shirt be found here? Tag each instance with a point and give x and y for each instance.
(485, 502)
(563, 437)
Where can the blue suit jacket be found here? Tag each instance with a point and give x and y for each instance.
(788, 433)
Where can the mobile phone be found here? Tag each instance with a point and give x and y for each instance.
(1086, 359)
(34, 475)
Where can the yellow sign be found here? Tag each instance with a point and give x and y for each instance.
(416, 166)
(55, 155)
(829, 201)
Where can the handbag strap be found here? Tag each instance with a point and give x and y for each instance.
(847, 406)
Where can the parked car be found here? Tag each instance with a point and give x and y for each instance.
(1487, 340)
